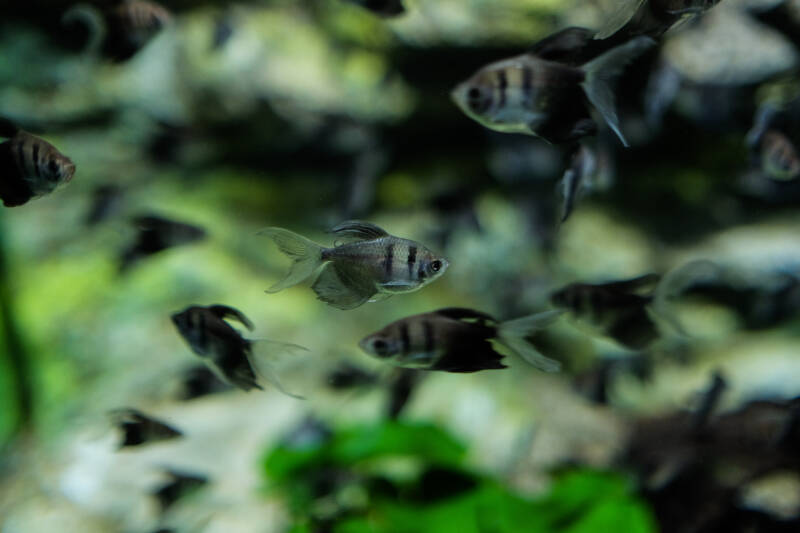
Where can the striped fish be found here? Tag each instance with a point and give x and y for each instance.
(234, 359)
(373, 267)
(457, 340)
(30, 167)
(537, 96)
(131, 25)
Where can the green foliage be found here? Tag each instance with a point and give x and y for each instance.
(444, 496)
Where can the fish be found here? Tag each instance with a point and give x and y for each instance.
(106, 202)
(373, 267)
(458, 340)
(121, 31)
(231, 357)
(400, 390)
(30, 167)
(155, 234)
(653, 18)
(779, 158)
(384, 8)
(349, 376)
(582, 167)
(179, 485)
(138, 428)
(199, 381)
(536, 96)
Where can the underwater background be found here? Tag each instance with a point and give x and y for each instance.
(301, 114)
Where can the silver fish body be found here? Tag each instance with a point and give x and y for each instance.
(456, 340)
(31, 167)
(374, 266)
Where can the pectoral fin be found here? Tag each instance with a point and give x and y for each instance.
(336, 287)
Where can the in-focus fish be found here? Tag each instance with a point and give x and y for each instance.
(29, 166)
(617, 308)
(137, 428)
(373, 267)
(457, 340)
(156, 234)
(653, 18)
(121, 31)
(229, 355)
(536, 96)
(179, 485)
(384, 8)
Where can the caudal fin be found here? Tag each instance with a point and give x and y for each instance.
(512, 334)
(602, 73)
(265, 357)
(675, 282)
(306, 256)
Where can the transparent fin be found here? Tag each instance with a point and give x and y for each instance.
(90, 17)
(335, 288)
(513, 332)
(359, 230)
(380, 296)
(676, 282)
(265, 357)
(617, 16)
(602, 73)
(305, 254)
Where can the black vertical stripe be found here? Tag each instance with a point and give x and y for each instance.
(412, 258)
(527, 83)
(427, 329)
(21, 158)
(36, 166)
(404, 338)
(388, 262)
(503, 85)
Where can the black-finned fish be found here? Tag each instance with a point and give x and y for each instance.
(138, 428)
(348, 376)
(29, 166)
(223, 349)
(199, 381)
(373, 267)
(647, 17)
(156, 234)
(384, 8)
(618, 307)
(179, 485)
(121, 31)
(537, 96)
(458, 340)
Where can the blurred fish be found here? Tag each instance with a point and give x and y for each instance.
(223, 349)
(224, 28)
(121, 31)
(536, 96)
(626, 310)
(29, 166)
(614, 307)
(373, 267)
(384, 8)
(584, 164)
(400, 391)
(647, 17)
(106, 201)
(348, 376)
(156, 234)
(457, 340)
(779, 158)
(571, 46)
(663, 87)
(137, 428)
(200, 381)
(180, 485)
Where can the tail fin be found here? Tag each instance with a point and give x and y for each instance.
(305, 254)
(602, 72)
(512, 335)
(264, 357)
(675, 282)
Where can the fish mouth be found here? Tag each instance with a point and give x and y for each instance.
(69, 171)
(364, 343)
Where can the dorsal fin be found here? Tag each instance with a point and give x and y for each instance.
(7, 128)
(563, 45)
(462, 313)
(359, 230)
(223, 311)
(633, 284)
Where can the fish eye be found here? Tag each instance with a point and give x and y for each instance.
(476, 100)
(380, 347)
(474, 94)
(436, 265)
